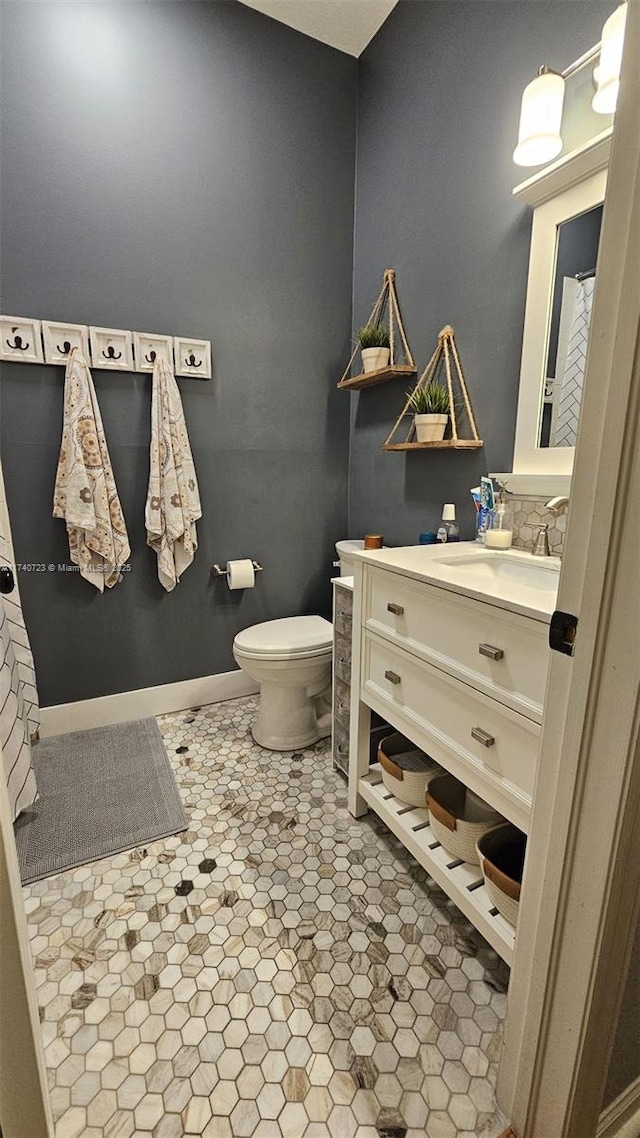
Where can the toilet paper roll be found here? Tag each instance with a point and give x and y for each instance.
(241, 574)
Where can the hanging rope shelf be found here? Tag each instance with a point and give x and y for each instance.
(439, 367)
(387, 302)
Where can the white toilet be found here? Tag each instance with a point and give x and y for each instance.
(291, 660)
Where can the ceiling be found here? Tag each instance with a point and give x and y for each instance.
(348, 25)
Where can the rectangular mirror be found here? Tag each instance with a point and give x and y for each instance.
(577, 242)
(567, 217)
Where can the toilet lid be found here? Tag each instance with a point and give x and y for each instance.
(293, 636)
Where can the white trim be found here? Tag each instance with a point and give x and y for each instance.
(138, 704)
(621, 1119)
(535, 485)
(567, 171)
(528, 456)
(24, 1096)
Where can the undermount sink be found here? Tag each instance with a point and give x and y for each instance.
(502, 571)
(511, 576)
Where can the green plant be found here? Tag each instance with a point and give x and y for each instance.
(373, 336)
(431, 399)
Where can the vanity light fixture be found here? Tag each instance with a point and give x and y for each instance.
(540, 117)
(607, 75)
(539, 138)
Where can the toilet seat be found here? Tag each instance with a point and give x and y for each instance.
(292, 638)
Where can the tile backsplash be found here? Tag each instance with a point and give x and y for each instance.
(529, 513)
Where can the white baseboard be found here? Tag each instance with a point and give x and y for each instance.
(621, 1119)
(139, 704)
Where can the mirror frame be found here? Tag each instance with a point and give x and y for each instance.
(547, 217)
(568, 187)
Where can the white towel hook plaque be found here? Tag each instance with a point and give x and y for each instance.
(111, 348)
(192, 357)
(146, 346)
(21, 339)
(60, 338)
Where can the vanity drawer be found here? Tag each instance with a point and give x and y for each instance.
(341, 700)
(501, 653)
(343, 611)
(341, 746)
(342, 658)
(489, 747)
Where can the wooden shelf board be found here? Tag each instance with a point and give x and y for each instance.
(445, 444)
(458, 880)
(372, 378)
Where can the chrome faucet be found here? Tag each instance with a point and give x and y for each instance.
(555, 506)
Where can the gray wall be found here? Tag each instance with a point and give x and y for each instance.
(179, 168)
(439, 98)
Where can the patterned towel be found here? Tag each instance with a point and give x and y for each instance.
(173, 501)
(85, 491)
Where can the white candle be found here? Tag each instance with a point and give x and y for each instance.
(498, 538)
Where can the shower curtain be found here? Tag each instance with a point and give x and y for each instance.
(571, 366)
(19, 708)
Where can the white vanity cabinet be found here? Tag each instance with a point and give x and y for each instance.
(463, 679)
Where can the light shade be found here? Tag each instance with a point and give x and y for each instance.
(607, 75)
(540, 118)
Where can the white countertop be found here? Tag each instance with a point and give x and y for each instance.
(344, 582)
(509, 579)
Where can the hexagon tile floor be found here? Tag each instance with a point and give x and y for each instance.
(281, 970)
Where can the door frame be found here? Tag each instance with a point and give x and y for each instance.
(582, 878)
(25, 1108)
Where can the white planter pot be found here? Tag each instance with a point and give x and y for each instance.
(430, 428)
(374, 359)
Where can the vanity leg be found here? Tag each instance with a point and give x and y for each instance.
(359, 736)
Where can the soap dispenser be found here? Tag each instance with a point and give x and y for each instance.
(448, 530)
(499, 532)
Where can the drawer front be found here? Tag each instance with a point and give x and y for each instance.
(490, 748)
(500, 653)
(341, 746)
(342, 658)
(341, 701)
(343, 611)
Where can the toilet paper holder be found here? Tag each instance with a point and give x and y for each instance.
(220, 571)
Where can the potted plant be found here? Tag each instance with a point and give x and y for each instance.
(374, 345)
(430, 405)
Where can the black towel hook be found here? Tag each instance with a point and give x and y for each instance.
(151, 358)
(65, 349)
(17, 344)
(111, 353)
(191, 361)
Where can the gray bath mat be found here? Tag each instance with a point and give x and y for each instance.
(101, 792)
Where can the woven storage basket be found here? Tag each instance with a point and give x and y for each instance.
(501, 852)
(458, 817)
(406, 771)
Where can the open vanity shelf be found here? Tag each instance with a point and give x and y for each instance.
(462, 882)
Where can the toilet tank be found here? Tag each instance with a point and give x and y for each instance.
(345, 551)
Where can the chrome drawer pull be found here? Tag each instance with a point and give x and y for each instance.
(490, 651)
(397, 610)
(392, 677)
(483, 737)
